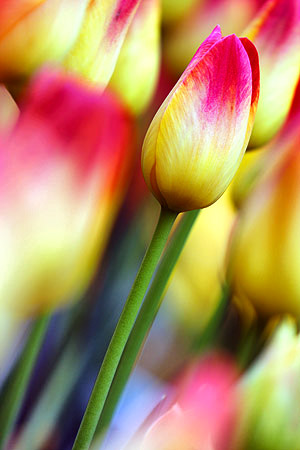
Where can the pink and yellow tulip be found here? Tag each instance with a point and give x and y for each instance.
(276, 34)
(136, 72)
(86, 36)
(205, 412)
(198, 137)
(62, 177)
(96, 49)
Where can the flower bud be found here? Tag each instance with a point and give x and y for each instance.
(95, 52)
(141, 51)
(34, 32)
(276, 34)
(204, 415)
(269, 413)
(62, 174)
(197, 139)
(264, 255)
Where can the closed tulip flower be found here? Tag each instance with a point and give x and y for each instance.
(86, 36)
(141, 50)
(96, 50)
(264, 256)
(276, 34)
(198, 137)
(205, 413)
(62, 176)
(35, 31)
(269, 393)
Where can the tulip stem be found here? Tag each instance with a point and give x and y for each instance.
(14, 389)
(115, 349)
(146, 316)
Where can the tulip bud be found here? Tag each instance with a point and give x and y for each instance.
(95, 52)
(264, 257)
(34, 32)
(141, 51)
(62, 174)
(204, 415)
(197, 139)
(276, 33)
(269, 414)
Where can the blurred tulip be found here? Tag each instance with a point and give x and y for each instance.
(276, 33)
(136, 72)
(182, 41)
(36, 31)
(204, 414)
(264, 261)
(269, 415)
(196, 284)
(86, 36)
(258, 163)
(95, 52)
(63, 172)
(197, 139)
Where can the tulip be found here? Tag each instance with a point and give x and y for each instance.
(276, 33)
(269, 414)
(197, 139)
(141, 51)
(258, 163)
(204, 415)
(95, 52)
(182, 41)
(63, 171)
(36, 31)
(196, 284)
(86, 36)
(264, 254)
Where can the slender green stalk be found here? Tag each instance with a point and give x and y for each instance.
(115, 349)
(14, 390)
(146, 316)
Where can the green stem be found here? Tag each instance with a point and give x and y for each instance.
(146, 316)
(115, 349)
(14, 389)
